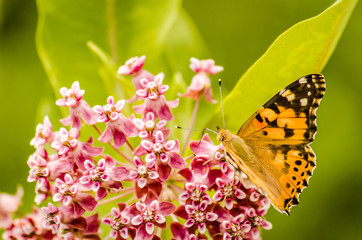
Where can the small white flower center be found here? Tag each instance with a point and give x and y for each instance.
(150, 125)
(228, 191)
(148, 215)
(258, 221)
(142, 170)
(64, 189)
(158, 148)
(95, 174)
(235, 230)
(195, 194)
(117, 224)
(199, 216)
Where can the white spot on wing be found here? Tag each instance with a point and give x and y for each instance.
(302, 80)
(304, 101)
(291, 97)
(287, 92)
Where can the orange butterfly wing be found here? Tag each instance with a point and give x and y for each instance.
(278, 135)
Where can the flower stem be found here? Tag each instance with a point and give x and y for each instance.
(129, 145)
(126, 192)
(114, 147)
(193, 118)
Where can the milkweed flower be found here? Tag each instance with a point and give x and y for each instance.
(152, 92)
(78, 108)
(133, 66)
(118, 126)
(201, 83)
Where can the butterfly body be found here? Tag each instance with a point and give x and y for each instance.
(272, 147)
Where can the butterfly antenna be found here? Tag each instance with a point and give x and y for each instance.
(222, 107)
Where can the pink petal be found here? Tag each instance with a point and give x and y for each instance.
(142, 182)
(110, 100)
(137, 220)
(159, 136)
(153, 175)
(115, 212)
(255, 233)
(239, 194)
(166, 208)
(84, 179)
(154, 206)
(87, 201)
(98, 109)
(57, 197)
(147, 145)
(226, 224)
(120, 173)
(160, 219)
(106, 135)
(150, 227)
(163, 157)
(190, 186)
(176, 161)
(190, 209)
(140, 206)
(124, 232)
(150, 157)
(202, 227)
(211, 216)
(133, 174)
(189, 222)
(229, 203)
(266, 225)
(169, 145)
(88, 164)
(119, 138)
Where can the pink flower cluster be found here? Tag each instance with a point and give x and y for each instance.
(151, 186)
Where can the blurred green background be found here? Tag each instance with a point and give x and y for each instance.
(234, 33)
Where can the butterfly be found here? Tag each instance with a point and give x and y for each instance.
(271, 149)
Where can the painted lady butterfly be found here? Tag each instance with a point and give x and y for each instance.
(272, 148)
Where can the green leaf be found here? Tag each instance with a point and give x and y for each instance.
(70, 32)
(303, 49)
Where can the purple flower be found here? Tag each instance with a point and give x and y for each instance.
(195, 193)
(118, 126)
(105, 176)
(133, 67)
(142, 173)
(197, 215)
(236, 227)
(43, 133)
(164, 154)
(119, 223)
(78, 108)
(151, 215)
(69, 193)
(38, 168)
(148, 126)
(152, 91)
(52, 218)
(9, 204)
(67, 145)
(228, 190)
(201, 83)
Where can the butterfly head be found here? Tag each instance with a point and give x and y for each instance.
(223, 135)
